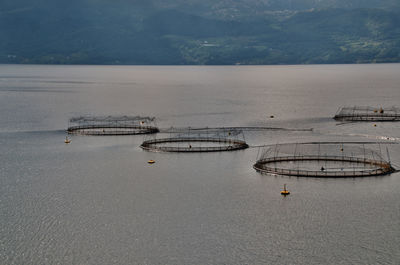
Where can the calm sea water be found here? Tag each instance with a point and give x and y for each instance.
(97, 201)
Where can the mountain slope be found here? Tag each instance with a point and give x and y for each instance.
(198, 32)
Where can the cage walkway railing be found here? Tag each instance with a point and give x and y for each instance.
(115, 129)
(368, 117)
(384, 167)
(151, 145)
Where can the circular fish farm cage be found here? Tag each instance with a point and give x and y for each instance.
(358, 113)
(323, 160)
(112, 125)
(216, 140)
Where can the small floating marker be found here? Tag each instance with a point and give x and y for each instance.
(285, 192)
(151, 161)
(67, 141)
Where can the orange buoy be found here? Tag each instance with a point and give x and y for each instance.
(285, 192)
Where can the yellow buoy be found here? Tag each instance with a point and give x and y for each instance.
(285, 192)
(151, 161)
(67, 141)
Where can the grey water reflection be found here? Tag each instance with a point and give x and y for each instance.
(97, 201)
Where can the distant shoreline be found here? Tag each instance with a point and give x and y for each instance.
(199, 65)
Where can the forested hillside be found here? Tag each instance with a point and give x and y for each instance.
(199, 32)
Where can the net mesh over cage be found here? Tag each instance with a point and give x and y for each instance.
(324, 160)
(359, 113)
(198, 140)
(112, 125)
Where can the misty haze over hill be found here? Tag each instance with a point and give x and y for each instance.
(199, 32)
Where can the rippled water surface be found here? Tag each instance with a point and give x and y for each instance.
(97, 201)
